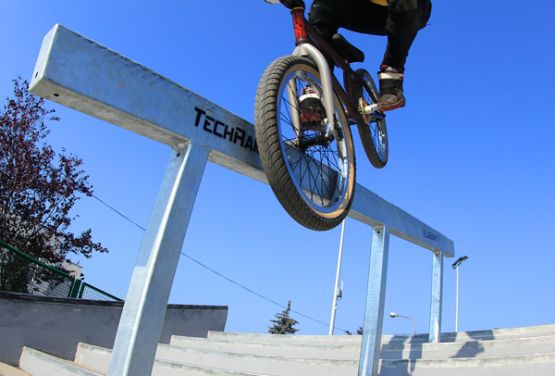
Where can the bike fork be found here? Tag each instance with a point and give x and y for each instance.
(306, 49)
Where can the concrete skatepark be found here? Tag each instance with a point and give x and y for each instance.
(70, 71)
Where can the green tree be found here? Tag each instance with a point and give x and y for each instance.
(38, 189)
(283, 323)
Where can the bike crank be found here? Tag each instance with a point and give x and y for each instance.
(370, 112)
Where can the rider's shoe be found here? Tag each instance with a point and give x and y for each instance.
(391, 88)
(311, 109)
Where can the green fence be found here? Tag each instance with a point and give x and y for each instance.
(20, 272)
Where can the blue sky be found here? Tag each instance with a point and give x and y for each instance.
(472, 155)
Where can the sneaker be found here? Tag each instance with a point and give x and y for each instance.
(311, 109)
(391, 88)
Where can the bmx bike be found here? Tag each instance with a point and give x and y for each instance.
(303, 117)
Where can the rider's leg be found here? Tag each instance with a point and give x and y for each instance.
(402, 26)
(324, 17)
(400, 21)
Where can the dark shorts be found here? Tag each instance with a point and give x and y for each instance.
(363, 16)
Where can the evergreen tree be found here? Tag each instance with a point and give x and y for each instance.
(283, 323)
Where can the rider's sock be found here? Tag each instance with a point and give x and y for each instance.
(311, 109)
(391, 88)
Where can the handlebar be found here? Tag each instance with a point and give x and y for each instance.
(288, 3)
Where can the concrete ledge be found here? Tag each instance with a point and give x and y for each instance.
(92, 356)
(38, 363)
(345, 351)
(389, 340)
(99, 359)
(57, 325)
(398, 350)
(6, 370)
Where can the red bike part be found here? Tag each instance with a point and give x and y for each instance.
(299, 25)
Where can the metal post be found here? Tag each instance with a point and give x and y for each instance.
(456, 266)
(375, 299)
(337, 276)
(457, 302)
(145, 306)
(437, 296)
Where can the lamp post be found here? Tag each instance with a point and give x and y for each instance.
(455, 266)
(394, 315)
(337, 289)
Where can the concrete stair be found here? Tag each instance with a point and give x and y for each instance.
(513, 351)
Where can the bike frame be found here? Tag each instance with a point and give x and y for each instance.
(309, 43)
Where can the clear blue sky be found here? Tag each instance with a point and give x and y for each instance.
(472, 155)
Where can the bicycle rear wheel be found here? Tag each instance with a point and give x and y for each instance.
(312, 176)
(373, 131)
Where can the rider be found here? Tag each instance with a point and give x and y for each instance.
(400, 20)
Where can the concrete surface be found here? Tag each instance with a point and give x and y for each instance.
(498, 352)
(57, 325)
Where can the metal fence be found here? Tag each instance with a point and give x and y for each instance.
(22, 273)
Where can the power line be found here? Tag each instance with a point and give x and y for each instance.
(119, 213)
(215, 271)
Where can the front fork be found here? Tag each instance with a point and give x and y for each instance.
(306, 49)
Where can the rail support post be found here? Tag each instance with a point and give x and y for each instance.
(145, 306)
(375, 299)
(437, 297)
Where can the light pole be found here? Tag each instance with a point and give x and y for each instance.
(455, 266)
(394, 315)
(337, 290)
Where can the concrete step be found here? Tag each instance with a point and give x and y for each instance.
(542, 364)
(475, 349)
(504, 333)
(38, 363)
(472, 348)
(524, 365)
(329, 351)
(93, 356)
(7, 370)
(99, 358)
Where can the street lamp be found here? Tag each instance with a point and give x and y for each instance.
(394, 315)
(455, 266)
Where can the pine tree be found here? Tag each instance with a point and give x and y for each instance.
(283, 323)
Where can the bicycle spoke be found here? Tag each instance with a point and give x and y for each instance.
(318, 168)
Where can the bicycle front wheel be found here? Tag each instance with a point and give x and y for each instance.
(312, 174)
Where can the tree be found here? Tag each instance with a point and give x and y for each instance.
(283, 324)
(38, 189)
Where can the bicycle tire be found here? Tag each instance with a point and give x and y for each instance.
(373, 132)
(281, 154)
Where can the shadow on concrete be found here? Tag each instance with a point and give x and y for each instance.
(474, 346)
(402, 352)
(394, 351)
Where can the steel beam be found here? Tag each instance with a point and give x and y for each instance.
(145, 305)
(375, 300)
(437, 297)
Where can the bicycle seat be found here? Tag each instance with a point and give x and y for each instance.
(346, 49)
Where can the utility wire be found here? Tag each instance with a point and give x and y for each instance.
(119, 213)
(216, 272)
